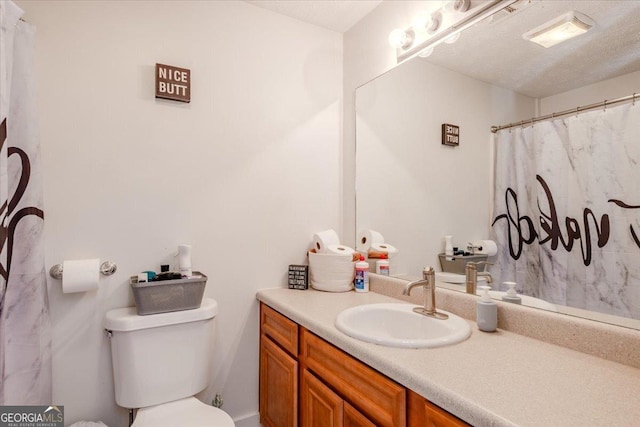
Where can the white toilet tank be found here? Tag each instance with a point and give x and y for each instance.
(161, 357)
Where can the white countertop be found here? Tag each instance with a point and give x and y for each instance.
(491, 379)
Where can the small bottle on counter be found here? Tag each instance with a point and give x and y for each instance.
(382, 267)
(511, 295)
(486, 311)
(361, 281)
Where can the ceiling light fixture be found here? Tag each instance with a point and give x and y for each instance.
(562, 28)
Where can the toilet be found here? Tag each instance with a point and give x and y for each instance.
(161, 361)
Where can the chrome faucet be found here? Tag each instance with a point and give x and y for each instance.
(428, 282)
(471, 275)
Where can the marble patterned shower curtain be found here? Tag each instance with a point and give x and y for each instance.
(567, 210)
(25, 337)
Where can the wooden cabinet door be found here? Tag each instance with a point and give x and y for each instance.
(278, 386)
(423, 413)
(353, 418)
(319, 406)
(380, 399)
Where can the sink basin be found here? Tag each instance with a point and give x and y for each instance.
(396, 325)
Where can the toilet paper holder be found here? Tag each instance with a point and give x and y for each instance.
(107, 268)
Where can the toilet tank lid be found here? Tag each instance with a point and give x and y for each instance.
(127, 319)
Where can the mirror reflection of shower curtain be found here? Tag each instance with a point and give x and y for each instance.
(25, 333)
(566, 210)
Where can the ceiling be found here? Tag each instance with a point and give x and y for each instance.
(495, 52)
(336, 15)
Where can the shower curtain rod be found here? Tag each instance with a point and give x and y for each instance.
(576, 110)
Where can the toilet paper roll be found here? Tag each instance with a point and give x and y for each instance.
(384, 248)
(489, 247)
(80, 275)
(366, 238)
(340, 250)
(323, 239)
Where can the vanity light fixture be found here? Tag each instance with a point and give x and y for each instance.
(452, 38)
(425, 53)
(426, 34)
(457, 5)
(401, 39)
(427, 22)
(564, 27)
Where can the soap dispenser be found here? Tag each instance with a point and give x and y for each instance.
(511, 295)
(486, 311)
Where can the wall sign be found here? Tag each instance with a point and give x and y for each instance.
(450, 135)
(173, 83)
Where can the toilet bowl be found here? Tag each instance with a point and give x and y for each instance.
(184, 412)
(161, 361)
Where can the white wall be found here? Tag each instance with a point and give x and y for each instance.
(617, 87)
(245, 173)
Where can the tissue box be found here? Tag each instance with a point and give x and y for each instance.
(168, 295)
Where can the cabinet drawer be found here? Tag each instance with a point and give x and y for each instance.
(423, 413)
(279, 328)
(376, 396)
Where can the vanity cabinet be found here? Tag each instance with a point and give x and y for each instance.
(375, 396)
(307, 381)
(423, 413)
(278, 369)
(320, 406)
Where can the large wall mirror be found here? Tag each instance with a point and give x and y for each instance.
(414, 190)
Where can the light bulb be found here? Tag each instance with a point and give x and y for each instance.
(434, 22)
(452, 38)
(425, 53)
(457, 5)
(400, 39)
(421, 21)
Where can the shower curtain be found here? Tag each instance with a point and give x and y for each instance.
(25, 337)
(567, 210)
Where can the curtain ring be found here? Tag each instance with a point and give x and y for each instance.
(577, 111)
(633, 99)
(532, 122)
(605, 105)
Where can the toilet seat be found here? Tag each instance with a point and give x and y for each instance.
(188, 412)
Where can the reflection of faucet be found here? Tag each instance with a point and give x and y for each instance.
(428, 283)
(471, 275)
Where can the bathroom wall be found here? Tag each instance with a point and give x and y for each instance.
(245, 173)
(626, 84)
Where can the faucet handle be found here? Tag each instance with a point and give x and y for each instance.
(474, 265)
(428, 272)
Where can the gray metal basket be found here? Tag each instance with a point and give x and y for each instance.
(168, 295)
(456, 263)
